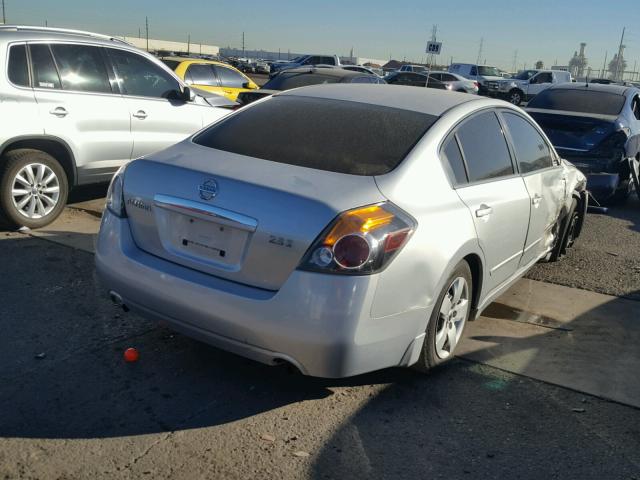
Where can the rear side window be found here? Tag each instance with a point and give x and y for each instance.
(229, 78)
(45, 74)
(583, 101)
(454, 162)
(531, 150)
(202, 75)
(485, 148)
(81, 68)
(18, 69)
(286, 81)
(333, 135)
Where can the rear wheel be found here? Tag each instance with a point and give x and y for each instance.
(33, 188)
(448, 319)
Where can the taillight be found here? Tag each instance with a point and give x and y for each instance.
(476, 84)
(360, 241)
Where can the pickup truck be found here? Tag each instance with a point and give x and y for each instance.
(525, 85)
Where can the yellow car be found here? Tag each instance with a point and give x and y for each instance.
(216, 77)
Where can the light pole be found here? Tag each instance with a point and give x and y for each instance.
(4, 18)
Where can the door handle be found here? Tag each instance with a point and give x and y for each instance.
(536, 200)
(484, 210)
(141, 114)
(59, 112)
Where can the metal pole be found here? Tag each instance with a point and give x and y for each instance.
(615, 77)
(434, 31)
(188, 43)
(4, 18)
(480, 51)
(146, 26)
(604, 65)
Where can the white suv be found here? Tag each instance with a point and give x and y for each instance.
(75, 106)
(526, 84)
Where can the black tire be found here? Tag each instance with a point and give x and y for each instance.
(515, 97)
(10, 165)
(428, 356)
(634, 176)
(622, 193)
(566, 238)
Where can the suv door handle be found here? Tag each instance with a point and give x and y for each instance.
(484, 210)
(141, 114)
(59, 112)
(536, 200)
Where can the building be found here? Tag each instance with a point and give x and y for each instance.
(174, 47)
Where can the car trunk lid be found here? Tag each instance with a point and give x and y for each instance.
(240, 218)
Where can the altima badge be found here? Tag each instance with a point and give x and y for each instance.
(208, 189)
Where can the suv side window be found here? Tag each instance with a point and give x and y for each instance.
(229, 78)
(544, 77)
(202, 74)
(437, 76)
(140, 77)
(532, 152)
(454, 161)
(485, 148)
(81, 68)
(18, 68)
(474, 71)
(45, 74)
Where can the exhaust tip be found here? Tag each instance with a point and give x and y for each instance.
(116, 299)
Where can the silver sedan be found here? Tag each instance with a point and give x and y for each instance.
(339, 228)
(457, 82)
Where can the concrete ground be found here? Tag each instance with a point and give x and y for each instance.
(546, 386)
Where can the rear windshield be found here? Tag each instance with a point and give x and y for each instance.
(333, 135)
(583, 101)
(289, 80)
(172, 64)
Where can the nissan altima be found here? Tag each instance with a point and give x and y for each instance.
(339, 228)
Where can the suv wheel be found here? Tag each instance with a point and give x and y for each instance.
(33, 188)
(515, 97)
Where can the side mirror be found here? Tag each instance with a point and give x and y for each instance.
(187, 95)
(246, 85)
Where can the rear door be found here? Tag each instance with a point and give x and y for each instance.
(231, 81)
(538, 83)
(78, 103)
(544, 180)
(495, 195)
(158, 118)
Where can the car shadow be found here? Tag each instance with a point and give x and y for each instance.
(629, 212)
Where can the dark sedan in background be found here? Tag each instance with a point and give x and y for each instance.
(597, 128)
(305, 76)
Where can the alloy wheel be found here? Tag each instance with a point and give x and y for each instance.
(35, 191)
(452, 317)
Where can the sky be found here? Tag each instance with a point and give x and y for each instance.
(535, 29)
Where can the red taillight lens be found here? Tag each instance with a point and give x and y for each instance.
(360, 241)
(476, 84)
(351, 251)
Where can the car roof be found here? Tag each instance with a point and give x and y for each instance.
(593, 87)
(417, 99)
(13, 33)
(331, 72)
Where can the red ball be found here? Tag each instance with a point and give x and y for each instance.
(131, 355)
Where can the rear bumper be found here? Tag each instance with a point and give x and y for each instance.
(320, 323)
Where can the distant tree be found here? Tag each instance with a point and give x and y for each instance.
(617, 68)
(539, 65)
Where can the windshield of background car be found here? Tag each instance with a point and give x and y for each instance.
(289, 80)
(324, 134)
(525, 75)
(582, 101)
(488, 71)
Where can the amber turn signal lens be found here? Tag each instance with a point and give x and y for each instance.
(361, 220)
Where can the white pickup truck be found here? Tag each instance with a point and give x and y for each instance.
(525, 85)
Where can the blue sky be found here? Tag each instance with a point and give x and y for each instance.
(537, 29)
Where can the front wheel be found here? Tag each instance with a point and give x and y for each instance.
(33, 188)
(515, 97)
(448, 319)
